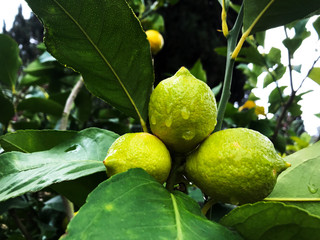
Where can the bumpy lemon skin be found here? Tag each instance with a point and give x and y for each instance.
(235, 166)
(139, 150)
(156, 41)
(182, 111)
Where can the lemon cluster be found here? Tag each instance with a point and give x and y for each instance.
(232, 166)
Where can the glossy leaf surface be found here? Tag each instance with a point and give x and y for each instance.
(279, 13)
(133, 205)
(104, 41)
(266, 221)
(76, 157)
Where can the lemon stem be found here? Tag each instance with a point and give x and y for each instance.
(248, 31)
(231, 44)
(207, 206)
(175, 171)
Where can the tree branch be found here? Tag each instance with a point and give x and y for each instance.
(69, 103)
(63, 126)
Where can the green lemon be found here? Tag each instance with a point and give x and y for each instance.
(182, 111)
(139, 150)
(235, 166)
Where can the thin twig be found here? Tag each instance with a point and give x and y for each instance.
(69, 104)
(63, 126)
(314, 63)
(20, 225)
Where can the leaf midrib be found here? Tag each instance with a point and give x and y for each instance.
(177, 217)
(102, 56)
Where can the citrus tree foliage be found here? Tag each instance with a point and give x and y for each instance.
(102, 44)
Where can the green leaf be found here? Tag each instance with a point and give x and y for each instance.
(273, 57)
(263, 220)
(301, 181)
(29, 141)
(76, 157)
(7, 109)
(104, 41)
(317, 115)
(292, 44)
(315, 74)
(198, 71)
(275, 99)
(251, 55)
(44, 105)
(216, 90)
(279, 13)
(154, 21)
(133, 205)
(10, 61)
(316, 25)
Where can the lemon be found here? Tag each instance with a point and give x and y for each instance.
(235, 166)
(139, 150)
(156, 41)
(182, 111)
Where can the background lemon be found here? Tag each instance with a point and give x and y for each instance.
(235, 166)
(182, 111)
(156, 41)
(139, 150)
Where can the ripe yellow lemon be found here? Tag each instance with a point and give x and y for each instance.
(182, 111)
(235, 166)
(139, 150)
(156, 41)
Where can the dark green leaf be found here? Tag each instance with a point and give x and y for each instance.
(198, 71)
(301, 181)
(266, 221)
(251, 55)
(77, 190)
(133, 205)
(29, 141)
(76, 157)
(279, 13)
(280, 143)
(292, 44)
(264, 126)
(315, 74)
(10, 61)
(104, 41)
(316, 25)
(153, 21)
(7, 109)
(317, 115)
(275, 99)
(44, 105)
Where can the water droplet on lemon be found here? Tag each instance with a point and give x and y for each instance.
(188, 135)
(168, 122)
(153, 120)
(185, 113)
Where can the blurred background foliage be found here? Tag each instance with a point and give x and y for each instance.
(191, 31)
